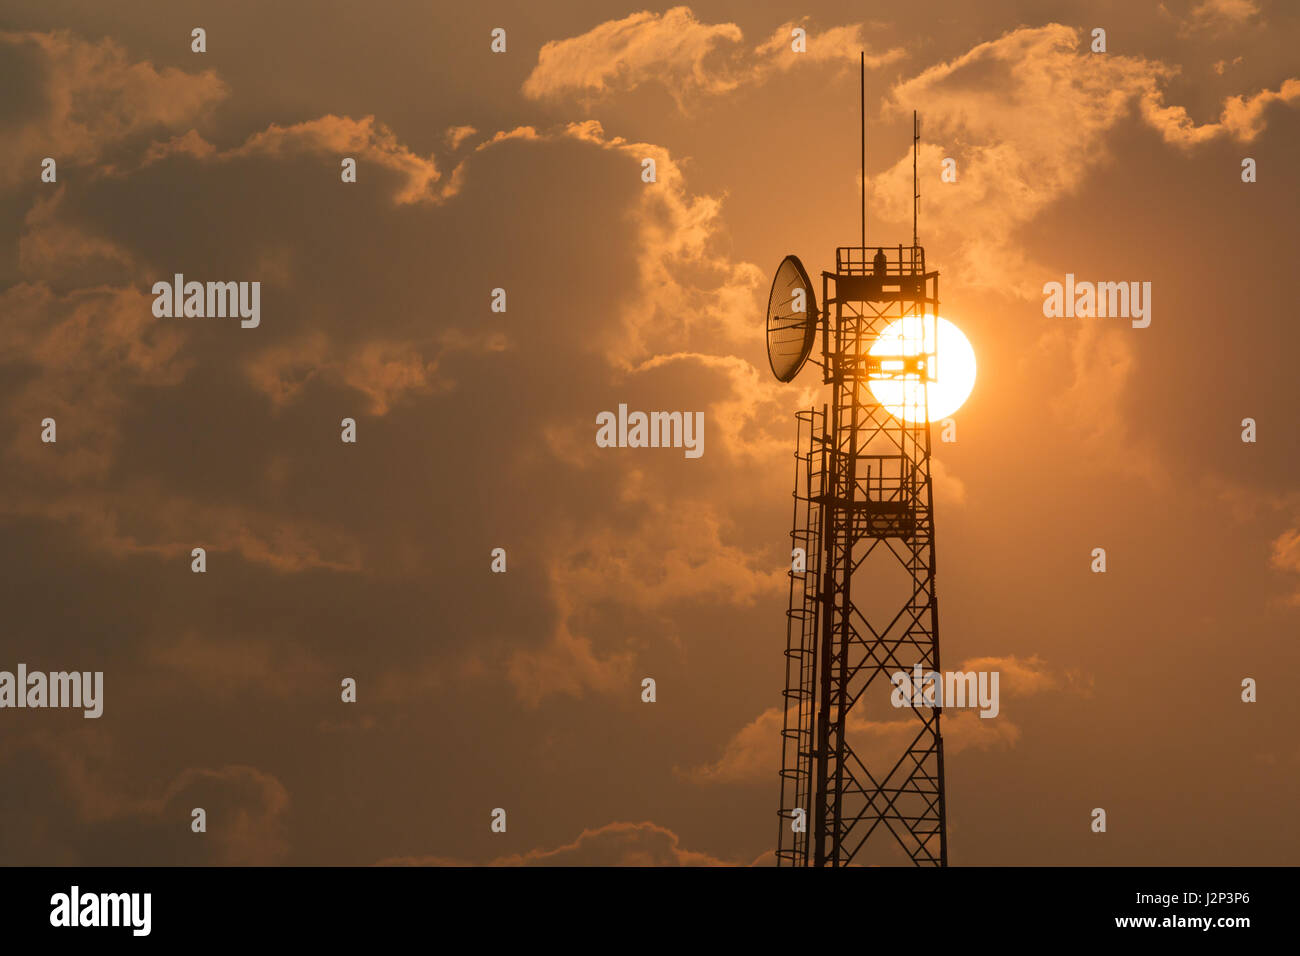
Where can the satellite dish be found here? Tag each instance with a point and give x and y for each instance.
(790, 330)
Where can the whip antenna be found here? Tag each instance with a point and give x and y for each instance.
(916, 190)
(862, 110)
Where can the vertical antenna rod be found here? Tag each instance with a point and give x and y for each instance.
(862, 109)
(916, 192)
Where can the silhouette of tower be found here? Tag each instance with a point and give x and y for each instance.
(859, 775)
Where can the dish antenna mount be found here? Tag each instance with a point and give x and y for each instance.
(792, 319)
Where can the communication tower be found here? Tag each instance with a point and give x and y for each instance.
(856, 771)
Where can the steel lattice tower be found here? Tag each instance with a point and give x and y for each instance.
(856, 769)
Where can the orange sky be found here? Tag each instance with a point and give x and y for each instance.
(476, 429)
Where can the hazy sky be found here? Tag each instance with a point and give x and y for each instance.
(476, 429)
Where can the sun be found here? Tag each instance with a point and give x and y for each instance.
(953, 371)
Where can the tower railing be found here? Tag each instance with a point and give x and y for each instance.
(861, 260)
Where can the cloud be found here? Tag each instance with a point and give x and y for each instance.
(98, 807)
(754, 752)
(140, 518)
(687, 285)
(948, 488)
(506, 135)
(1097, 366)
(90, 99)
(1285, 556)
(190, 143)
(1021, 677)
(1242, 118)
(1000, 108)
(614, 844)
(82, 350)
(751, 401)
(675, 232)
(245, 809)
(82, 354)
(676, 553)
(50, 249)
(385, 371)
(1220, 66)
(843, 44)
(1286, 551)
(753, 755)
(368, 141)
(688, 57)
(1218, 15)
(622, 54)
(80, 339)
(621, 564)
(458, 134)
(233, 665)
(331, 138)
(566, 664)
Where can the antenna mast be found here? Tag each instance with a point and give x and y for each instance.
(862, 110)
(916, 191)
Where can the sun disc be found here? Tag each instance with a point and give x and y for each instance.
(953, 374)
